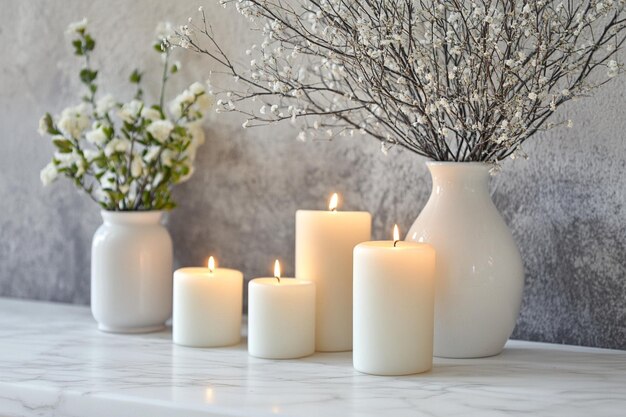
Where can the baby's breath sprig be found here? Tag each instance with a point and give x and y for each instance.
(451, 80)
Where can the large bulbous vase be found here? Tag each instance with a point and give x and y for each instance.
(480, 275)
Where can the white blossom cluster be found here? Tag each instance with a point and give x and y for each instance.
(126, 156)
(453, 80)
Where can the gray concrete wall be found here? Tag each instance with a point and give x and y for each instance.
(566, 205)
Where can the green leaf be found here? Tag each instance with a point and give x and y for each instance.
(113, 194)
(157, 47)
(87, 75)
(135, 77)
(174, 69)
(49, 122)
(180, 130)
(78, 47)
(108, 131)
(64, 145)
(90, 43)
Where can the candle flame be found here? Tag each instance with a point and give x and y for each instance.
(396, 232)
(334, 202)
(277, 270)
(211, 264)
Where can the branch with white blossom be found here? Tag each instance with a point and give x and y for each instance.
(451, 80)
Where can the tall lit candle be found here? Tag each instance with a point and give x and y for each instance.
(281, 317)
(207, 306)
(394, 285)
(324, 244)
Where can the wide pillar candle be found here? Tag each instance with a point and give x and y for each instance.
(207, 307)
(325, 241)
(281, 318)
(393, 307)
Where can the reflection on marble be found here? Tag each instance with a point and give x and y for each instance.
(54, 362)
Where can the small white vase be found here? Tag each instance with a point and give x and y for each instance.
(131, 272)
(480, 276)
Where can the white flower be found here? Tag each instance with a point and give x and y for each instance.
(150, 113)
(160, 130)
(532, 95)
(613, 68)
(107, 179)
(104, 105)
(136, 166)
(91, 154)
(302, 136)
(48, 174)
(151, 153)
(80, 167)
(205, 102)
(43, 126)
(181, 101)
(565, 92)
(74, 120)
(96, 136)
(66, 159)
(197, 88)
(130, 111)
(570, 123)
(196, 131)
(164, 30)
(77, 27)
(167, 157)
(116, 145)
(246, 124)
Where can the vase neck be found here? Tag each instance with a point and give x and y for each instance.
(460, 177)
(136, 218)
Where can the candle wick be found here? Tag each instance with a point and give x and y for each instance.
(395, 242)
(278, 278)
(334, 209)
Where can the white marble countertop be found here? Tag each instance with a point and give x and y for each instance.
(54, 362)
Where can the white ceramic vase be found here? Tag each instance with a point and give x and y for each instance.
(131, 272)
(480, 276)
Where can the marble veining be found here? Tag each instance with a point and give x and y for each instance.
(54, 362)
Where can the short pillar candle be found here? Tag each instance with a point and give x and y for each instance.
(393, 307)
(207, 306)
(281, 317)
(324, 244)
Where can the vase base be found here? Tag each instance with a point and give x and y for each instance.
(468, 355)
(130, 330)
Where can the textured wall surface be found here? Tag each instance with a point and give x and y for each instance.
(566, 205)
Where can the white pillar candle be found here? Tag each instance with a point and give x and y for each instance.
(393, 307)
(207, 306)
(324, 244)
(281, 317)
